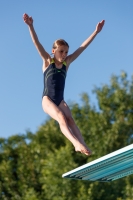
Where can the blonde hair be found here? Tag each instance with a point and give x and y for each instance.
(59, 42)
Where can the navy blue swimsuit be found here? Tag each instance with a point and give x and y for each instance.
(54, 82)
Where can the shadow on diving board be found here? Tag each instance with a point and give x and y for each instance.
(107, 168)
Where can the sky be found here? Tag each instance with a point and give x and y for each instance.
(21, 77)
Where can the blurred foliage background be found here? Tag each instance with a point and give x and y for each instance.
(32, 164)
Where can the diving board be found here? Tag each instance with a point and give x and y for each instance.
(107, 168)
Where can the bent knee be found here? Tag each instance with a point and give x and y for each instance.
(61, 117)
(70, 121)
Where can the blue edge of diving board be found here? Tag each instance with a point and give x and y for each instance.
(107, 168)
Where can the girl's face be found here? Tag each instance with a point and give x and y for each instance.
(60, 53)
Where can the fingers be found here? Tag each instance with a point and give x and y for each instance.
(100, 25)
(102, 22)
(25, 16)
(28, 20)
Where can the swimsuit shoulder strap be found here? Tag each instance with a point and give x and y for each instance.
(64, 63)
(52, 61)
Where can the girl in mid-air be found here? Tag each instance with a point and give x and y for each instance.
(54, 72)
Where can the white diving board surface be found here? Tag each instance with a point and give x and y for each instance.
(107, 168)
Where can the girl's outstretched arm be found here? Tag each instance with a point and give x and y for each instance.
(85, 44)
(29, 21)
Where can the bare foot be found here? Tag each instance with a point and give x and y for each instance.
(82, 148)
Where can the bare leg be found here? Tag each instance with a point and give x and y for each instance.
(71, 123)
(56, 113)
(76, 132)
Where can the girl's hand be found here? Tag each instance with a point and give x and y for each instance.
(28, 20)
(100, 26)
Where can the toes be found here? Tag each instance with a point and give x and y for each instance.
(86, 152)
